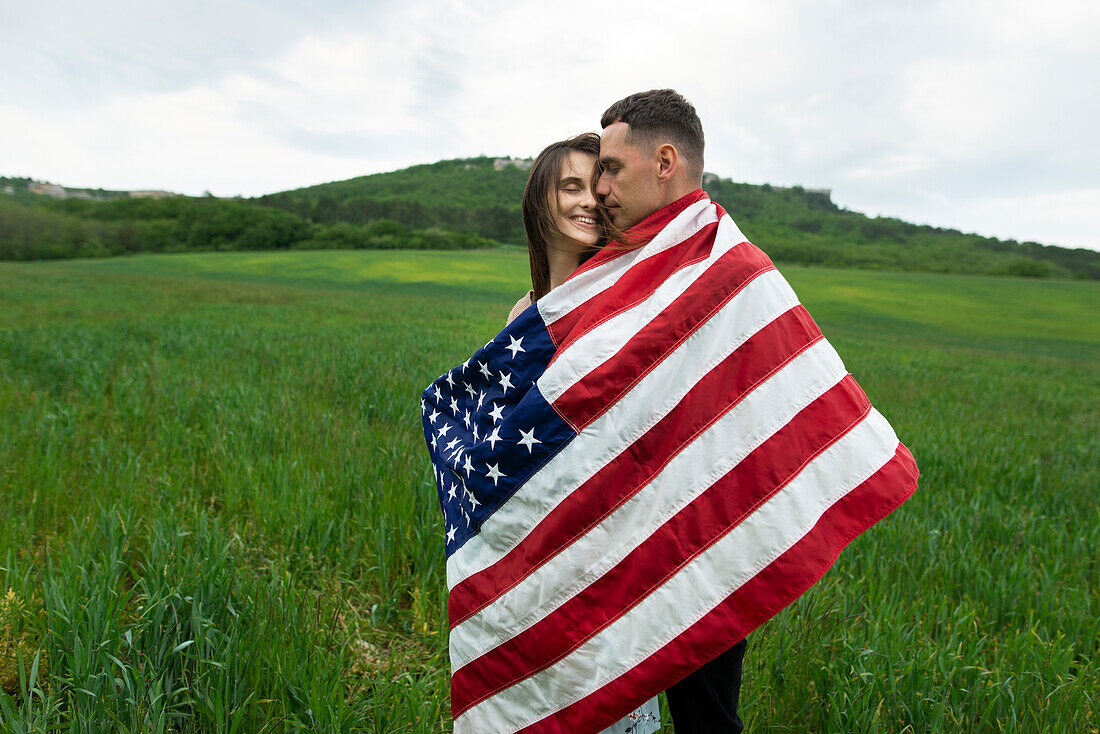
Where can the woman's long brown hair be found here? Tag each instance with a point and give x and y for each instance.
(538, 215)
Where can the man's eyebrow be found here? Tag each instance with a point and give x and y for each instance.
(606, 160)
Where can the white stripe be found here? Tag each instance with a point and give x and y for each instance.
(719, 448)
(697, 588)
(603, 342)
(584, 286)
(758, 304)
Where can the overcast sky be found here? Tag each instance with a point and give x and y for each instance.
(977, 115)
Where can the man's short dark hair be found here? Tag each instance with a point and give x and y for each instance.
(659, 116)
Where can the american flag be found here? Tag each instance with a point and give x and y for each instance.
(648, 463)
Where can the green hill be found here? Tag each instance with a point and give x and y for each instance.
(475, 202)
(793, 225)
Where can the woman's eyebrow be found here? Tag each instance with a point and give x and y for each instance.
(570, 179)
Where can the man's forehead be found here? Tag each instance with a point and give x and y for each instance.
(613, 140)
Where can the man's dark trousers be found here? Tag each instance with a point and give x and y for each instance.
(705, 702)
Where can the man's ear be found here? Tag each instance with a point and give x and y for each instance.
(668, 162)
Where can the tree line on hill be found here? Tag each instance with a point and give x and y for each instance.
(37, 227)
(473, 203)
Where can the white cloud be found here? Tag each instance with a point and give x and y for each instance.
(967, 114)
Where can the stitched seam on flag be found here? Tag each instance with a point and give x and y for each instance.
(641, 299)
(690, 621)
(715, 359)
(754, 570)
(808, 395)
(674, 345)
(646, 591)
(644, 482)
(845, 538)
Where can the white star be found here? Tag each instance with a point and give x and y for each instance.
(451, 492)
(505, 382)
(477, 436)
(424, 406)
(515, 347)
(485, 370)
(465, 365)
(467, 518)
(433, 416)
(496, 412)
(494, 473)
(438, 395)
(454, 406)
(450, 380)
(468, 466)
(480, 399)
(451, 534)
(444, 429)
(528, 439)
(435, 439)
(466, 419)
(473, 500)
(470, 389)
(451, 445)
(493, 437)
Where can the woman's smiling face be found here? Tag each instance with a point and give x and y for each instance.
(575, 205)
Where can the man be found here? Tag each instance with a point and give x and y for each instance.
(651, 152)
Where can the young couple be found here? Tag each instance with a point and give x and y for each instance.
(659, 453)
(584, 193)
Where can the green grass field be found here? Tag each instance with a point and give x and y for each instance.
(219, 516)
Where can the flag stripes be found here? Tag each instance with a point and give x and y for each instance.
(679, 455)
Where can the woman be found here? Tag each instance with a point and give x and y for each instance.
(565, 227)
(560, 214)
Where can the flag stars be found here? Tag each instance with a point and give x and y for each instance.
(480, 399)
(450, 380)
(454, 406)
(451, 445)
(470, 389)
(477, 434)
(497, 412)
(505, 382)
(438, 395)
(493, 437)
(515, 347)
(451, 533)
(434, 416)
(443, 431)
(451, 492)
(484, 368)
(435, 440)
(495, 473)
(466, 419)
(467, 466)
(527, 439)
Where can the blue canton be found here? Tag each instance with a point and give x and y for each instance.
(488, 427)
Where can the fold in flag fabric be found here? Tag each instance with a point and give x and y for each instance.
(648, 463)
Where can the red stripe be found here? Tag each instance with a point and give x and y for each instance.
(765, 595)
(717, 392)
(636, 284)
(723, 506)
(603, 386)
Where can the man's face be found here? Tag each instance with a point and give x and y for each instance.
(628, 186)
